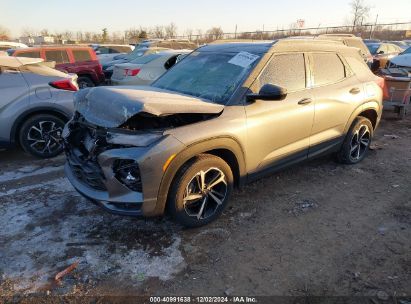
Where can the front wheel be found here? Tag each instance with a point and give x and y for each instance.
(40, 136)
(357, 142)
(200, 191)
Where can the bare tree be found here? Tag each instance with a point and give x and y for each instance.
(171, 30)
(104, 35)
(88, 36)
(67, 35)
(215, 33)
(79, 36)
(132, 35)
(4, 33)
(28, 32)
(189, 33)
(359, 12)
(44, 32)
(158, 31)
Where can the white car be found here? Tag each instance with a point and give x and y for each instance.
(109, 52)
(146, 69)
(36, 101)
(5, 45)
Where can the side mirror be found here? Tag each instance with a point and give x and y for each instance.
(269, 92)
(381, 52)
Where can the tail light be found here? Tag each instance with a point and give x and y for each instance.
(131, 72)
(380, 81)
(65, 84)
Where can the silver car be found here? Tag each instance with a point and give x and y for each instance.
(146, 69)
(36, 101)
(223, 116)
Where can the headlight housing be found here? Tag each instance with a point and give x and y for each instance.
(136, 140)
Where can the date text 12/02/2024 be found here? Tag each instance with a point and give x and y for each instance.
(203, 299)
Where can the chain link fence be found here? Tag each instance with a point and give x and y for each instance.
(382, 31)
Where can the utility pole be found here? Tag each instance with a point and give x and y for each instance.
(375, 25)
(235, 33)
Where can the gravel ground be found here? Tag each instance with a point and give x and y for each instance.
(319, 229)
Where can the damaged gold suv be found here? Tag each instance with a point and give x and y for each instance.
(223, 116)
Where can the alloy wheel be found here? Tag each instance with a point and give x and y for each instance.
(360, 142)
(45, 137)
(205, 193)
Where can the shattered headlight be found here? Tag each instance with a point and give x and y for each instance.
(127, 172)
(136, 140)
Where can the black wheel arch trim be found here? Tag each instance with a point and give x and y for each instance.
(36, 111)
(204, 146)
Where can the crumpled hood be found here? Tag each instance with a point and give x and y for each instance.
(110, 107)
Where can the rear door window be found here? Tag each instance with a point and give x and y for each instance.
(59, 56)
(286, 70)
(34, 54)
(327, 68)
(103, 50)
(81, 55)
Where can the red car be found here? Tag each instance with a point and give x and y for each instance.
(80, 60)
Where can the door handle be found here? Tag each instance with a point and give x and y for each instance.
(355, 91)
(305, 101)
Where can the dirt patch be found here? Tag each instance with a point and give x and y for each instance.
(319, 229)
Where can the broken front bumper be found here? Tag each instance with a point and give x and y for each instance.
(118, 177)
(123, 205)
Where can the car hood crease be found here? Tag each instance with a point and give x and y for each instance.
(112, 107)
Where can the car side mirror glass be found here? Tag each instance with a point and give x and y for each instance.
(381, 52)
(268, 92)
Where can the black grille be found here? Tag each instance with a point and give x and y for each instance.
(84, 164)
(86, 170)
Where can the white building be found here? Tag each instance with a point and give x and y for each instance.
(37, 40)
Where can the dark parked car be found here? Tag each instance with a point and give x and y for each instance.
(382, 52)
(224, 115)
(70, 59)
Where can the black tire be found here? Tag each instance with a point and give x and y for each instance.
(85, 82)
(184, 210)
(45, 144)
(356, 138)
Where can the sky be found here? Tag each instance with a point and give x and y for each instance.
(250, 15)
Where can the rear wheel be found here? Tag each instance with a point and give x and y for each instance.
(200, 191)
(85, 82)
(357, 142)
(40, 136)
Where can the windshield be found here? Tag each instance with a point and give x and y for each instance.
(373, 47)
(212, 76)
(137, 52)
(407, 51)
(145, 59)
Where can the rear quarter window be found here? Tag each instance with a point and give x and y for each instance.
(59, 56)
(327, 68)
(358, 66)
(81, 55)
